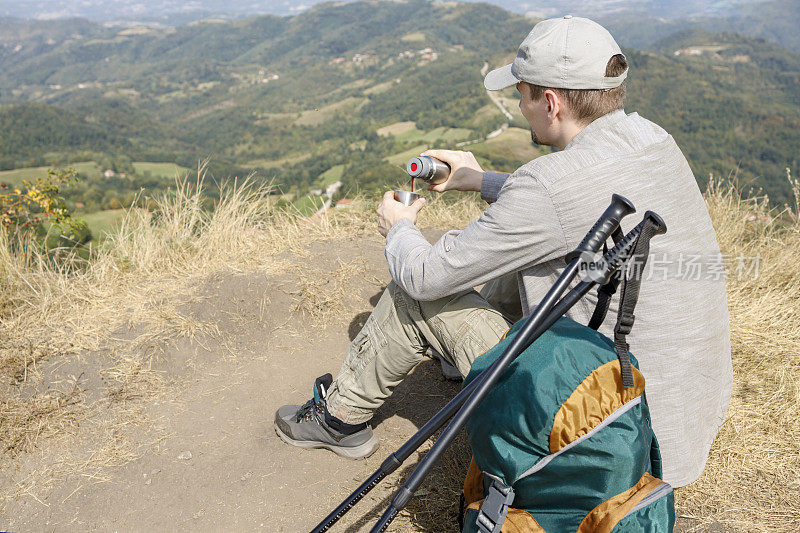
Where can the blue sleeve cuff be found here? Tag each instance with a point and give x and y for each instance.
(491, 185)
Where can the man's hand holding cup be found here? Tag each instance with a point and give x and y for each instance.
(390, 212)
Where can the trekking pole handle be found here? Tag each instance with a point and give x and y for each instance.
(621, 252)
(609, 221)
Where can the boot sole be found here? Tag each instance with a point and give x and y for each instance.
(350, 452)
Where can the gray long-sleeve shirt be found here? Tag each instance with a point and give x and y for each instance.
(540, 212)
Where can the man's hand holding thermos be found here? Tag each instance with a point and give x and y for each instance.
(465, 172)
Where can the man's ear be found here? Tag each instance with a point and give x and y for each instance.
(553, 104)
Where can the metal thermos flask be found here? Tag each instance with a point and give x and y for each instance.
(428, 169)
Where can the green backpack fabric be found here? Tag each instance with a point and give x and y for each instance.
(559, 444)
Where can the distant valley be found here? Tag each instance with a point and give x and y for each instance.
(345, 93)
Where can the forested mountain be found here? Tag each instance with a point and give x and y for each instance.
(48, 129)
(295, 98)
(774, 21)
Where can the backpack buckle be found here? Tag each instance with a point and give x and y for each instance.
(494, 509)
(625, 323)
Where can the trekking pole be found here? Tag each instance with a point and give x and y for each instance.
(605, 226)
(611, 262)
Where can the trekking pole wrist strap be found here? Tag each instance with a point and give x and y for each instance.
(651, 225)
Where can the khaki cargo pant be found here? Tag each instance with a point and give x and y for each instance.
(397, 333)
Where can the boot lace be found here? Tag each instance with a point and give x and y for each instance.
(311, 410)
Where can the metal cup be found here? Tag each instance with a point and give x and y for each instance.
(405, 197)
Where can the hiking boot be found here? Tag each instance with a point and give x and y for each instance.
(312, 426)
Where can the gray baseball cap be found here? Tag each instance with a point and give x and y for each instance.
(563, 53)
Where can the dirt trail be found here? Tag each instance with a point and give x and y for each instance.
(209, 457)
(199, 451)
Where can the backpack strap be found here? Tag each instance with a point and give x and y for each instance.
(631, 284)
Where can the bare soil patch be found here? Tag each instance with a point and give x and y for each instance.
(201, 452)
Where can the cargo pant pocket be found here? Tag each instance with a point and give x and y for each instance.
(364, 349)
(479, 330)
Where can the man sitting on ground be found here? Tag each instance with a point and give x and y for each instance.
(570, 74)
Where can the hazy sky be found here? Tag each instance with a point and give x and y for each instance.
(105, 10)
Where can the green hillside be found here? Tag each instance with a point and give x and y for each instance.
(291, 98)
(732, 109)
(26, 127)
(160, 170)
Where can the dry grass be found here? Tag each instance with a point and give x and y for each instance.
(396, 128)
(119, 311)
(443, 212)
(54, 314)
(752, 479)
(155, 259)
(25, 421)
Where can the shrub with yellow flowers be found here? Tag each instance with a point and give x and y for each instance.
(35, 210)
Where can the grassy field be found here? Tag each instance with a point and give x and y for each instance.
(407, 132)
(414, 37)
(308, 205)
(514, 143)
(272, 163)
(485, 114)
(403, 157)
(379, 88)
(355, 84)
(397, 128)
(161, 170)
(103, 221)
(331, 176)
(408, 136)
(14, 177)
(447, 135)
(312, 117)
(277, 117)
(91, 169)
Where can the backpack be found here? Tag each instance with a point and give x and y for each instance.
(563, 442)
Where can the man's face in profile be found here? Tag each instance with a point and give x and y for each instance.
(535, 113)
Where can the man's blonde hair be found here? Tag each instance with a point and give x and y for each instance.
(586, 105)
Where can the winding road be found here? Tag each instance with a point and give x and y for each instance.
(496, 101)
(493, 96)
